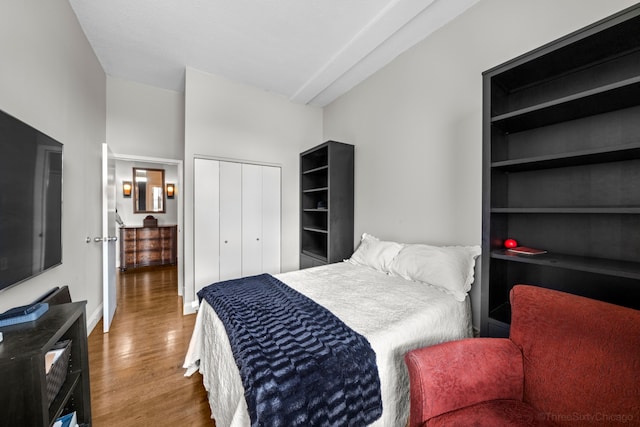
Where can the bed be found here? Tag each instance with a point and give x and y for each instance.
(398, 296)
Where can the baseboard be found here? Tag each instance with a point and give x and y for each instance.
(93, 320)
(190, 307)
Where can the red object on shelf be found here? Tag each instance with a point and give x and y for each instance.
(510, 243)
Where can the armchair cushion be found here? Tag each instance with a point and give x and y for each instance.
(461, 373)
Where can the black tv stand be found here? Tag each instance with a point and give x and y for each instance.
(23, 395)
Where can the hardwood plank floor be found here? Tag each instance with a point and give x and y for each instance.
(136, 370)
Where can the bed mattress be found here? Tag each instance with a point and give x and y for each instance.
(394, 314)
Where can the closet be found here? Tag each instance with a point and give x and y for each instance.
(236, 220)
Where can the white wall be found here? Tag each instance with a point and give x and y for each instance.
(144, 120)
(51, 79)
(228, 120)
(417, 124)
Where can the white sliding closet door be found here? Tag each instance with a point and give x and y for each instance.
(271, 219)
(206, 208)
(230, 220)
(251, 219)
(236, 220)
(260, 219)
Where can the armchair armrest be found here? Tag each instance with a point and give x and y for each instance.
(456, 374)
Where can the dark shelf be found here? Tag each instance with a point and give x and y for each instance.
(579, 158)
(318, 169)
(630, 270)
(314, 190)
(614, 36)
(631, 210)
(614, 96)
(315, 255)
(502, 313)
(315, 230)
(66, 392)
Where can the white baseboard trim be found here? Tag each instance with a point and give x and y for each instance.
(93, 320)
(190, 307)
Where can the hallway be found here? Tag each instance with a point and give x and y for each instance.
(136, 369)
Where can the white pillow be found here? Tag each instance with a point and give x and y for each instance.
(375, 253)
(450, 268)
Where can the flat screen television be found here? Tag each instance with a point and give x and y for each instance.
(30, 202)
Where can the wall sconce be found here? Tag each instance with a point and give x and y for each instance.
(126, 188)
(171, 191)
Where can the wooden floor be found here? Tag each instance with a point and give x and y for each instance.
(136, 370)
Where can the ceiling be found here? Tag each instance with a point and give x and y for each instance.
(310, 51)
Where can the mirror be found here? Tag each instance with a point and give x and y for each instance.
(148, 189)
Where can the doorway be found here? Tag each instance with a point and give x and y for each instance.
(173, 215)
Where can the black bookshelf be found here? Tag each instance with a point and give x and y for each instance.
(326, 204)
(561, 155)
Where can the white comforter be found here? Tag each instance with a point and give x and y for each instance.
(394, 314)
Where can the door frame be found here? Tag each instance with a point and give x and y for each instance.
(179, 200)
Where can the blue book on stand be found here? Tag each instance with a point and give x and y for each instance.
(23, 314)
(68, 420)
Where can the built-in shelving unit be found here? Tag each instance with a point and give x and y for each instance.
(326, 204)
(561, 169)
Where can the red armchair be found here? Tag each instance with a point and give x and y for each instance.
(569, 361)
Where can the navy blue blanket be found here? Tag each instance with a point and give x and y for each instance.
(300, 365)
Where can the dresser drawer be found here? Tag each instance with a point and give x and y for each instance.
(147, 246)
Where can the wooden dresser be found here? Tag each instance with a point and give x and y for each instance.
(147, 246)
